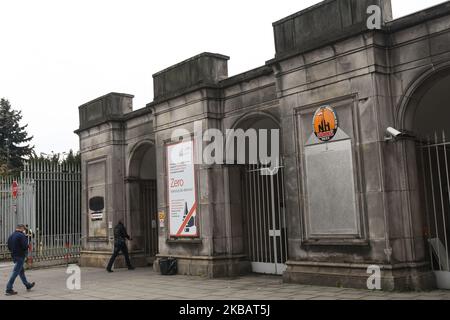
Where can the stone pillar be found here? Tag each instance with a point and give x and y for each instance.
(102, 149)
(193, 86)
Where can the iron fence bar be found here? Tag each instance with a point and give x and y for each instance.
(40, 176)
(52, 210)
(279, 217)
(437, 144)
(259, 216)
(427, 210)
(44, 211)
(272, 191)
(444, 139)
(268, 243)
(262, 218)
(434, 201)
(247, 210)
(281, 221)
(65, 208)
(254, 239)
(441, 192)
(283, 199)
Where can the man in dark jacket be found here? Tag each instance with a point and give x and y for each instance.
(120, 234)
(18, 246)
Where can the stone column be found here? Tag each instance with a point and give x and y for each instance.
(193, 87)
(102, 149)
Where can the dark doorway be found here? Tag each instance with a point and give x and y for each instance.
(143, 200)
(149, 208)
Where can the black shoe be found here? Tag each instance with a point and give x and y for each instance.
(10, 292)
(131, 268)
(109, 270)
(31, 286)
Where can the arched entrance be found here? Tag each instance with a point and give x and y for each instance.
(427, 117)
(143, 203)
(263, 201)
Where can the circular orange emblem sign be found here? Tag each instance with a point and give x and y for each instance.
(325, 123)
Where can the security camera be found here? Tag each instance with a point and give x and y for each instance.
(393, 132)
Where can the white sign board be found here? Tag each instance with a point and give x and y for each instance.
(181, 190)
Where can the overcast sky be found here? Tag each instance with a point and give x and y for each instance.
(56, 55)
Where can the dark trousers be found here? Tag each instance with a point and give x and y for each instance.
(119, 246)
(17, 271)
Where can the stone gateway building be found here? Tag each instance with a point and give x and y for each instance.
(334, 208)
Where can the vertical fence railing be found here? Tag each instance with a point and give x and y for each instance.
(434, 158)
(49, 203)
(57, 232)
(6, 215)
(13, 211)
(263, 204)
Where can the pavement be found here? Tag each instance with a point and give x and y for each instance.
(145, 284)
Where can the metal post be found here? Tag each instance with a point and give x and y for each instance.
(268, 244)
(434, 202)
(423, 149)
(254, 214)
(441, 196)
(283, 200)
(444, 140)
(272, 191)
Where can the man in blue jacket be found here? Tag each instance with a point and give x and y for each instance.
(18, 246)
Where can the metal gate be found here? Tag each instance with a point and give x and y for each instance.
(15, 210)
(49, 202)
(434, 162)
(149, 208)
(265, 219)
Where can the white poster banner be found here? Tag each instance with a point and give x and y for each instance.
(182, 192)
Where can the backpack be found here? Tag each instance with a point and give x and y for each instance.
(168, 266)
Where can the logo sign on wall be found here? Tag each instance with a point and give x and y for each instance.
(181, 190)
(325, 123)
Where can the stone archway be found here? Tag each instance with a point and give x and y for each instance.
(262, 202)
(142, 199)
(425, 113)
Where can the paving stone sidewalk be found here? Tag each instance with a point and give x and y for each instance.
(144, 284)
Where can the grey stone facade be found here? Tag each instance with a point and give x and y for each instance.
(325, 55)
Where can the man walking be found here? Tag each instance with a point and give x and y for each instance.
(18, 246)
(120, 234)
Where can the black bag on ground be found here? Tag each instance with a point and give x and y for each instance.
(168, 266)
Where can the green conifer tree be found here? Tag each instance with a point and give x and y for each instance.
(14, 140)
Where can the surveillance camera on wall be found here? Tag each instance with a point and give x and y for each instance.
(394, 134)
